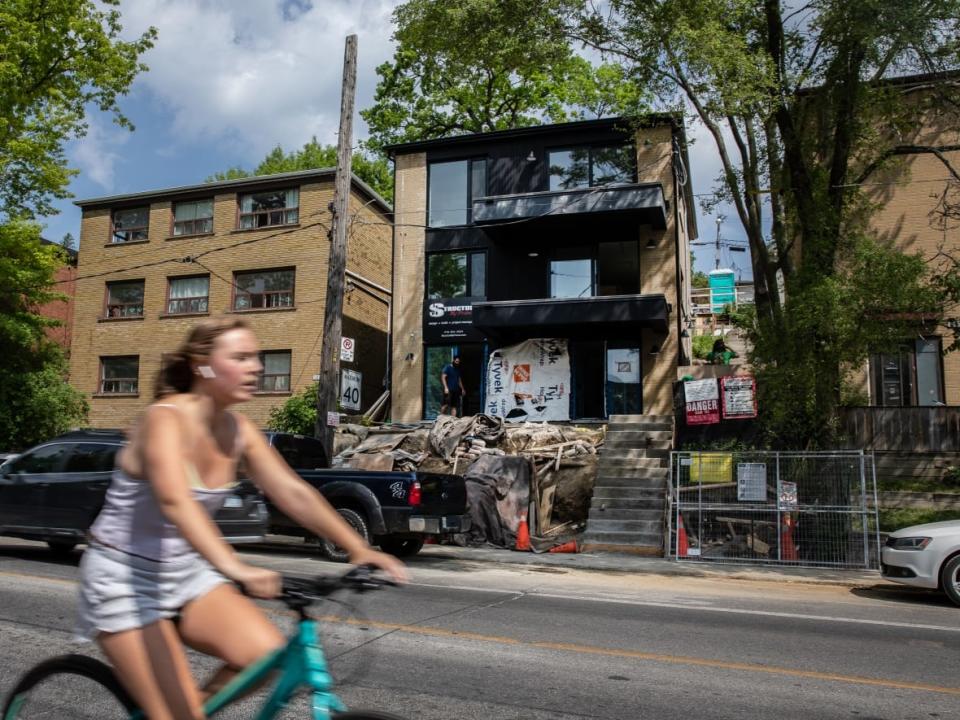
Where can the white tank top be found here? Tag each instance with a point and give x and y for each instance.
(131, 520)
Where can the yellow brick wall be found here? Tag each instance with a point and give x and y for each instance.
(304, 247)
(406, 399)
(908, 193)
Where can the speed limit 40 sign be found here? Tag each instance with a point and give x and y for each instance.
(350, 381)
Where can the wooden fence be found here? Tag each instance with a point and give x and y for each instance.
(903, 430)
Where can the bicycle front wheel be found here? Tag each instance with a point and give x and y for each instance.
(69, 686)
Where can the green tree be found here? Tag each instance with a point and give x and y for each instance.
(492, 67)
(297, 415)
(36, 402)
(374, 171)
(58, 58)
(798, 104)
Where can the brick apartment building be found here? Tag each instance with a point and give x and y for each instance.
(577, 232)
(908, 193)
(62, 310)
(260, 247)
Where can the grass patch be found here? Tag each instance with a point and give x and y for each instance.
(895, 518)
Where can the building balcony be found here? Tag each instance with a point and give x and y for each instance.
(590, 317)
(643, 201)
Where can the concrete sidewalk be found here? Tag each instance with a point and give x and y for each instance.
(633, 564)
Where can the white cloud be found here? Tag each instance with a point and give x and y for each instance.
(248, 74)
(96, 154)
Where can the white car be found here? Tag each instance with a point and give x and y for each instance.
(926, 556)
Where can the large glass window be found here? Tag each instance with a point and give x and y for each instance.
(119, 374)
(263, 209)
(618, 268)
(605, 268)
(263, 290)
(188, 295)
(453, 188)
(572, 272)
(457, 274)
(130, 225)
(276, 371)
(124, 299)
(583, 167)
(193, 218)
(912, 376)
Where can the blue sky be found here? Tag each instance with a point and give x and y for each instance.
(231, 79)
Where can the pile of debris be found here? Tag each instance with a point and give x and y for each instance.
(536, 472)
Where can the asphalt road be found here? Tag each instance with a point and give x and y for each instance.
(485, 640)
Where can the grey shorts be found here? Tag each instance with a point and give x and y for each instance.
(119, 591)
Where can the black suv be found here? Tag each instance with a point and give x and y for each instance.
(54, 491)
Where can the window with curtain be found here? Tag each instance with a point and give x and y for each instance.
(188, 295)
(193, 218)
(263, 290)
(119, 374)
(124, 299)
(130, 225)
(276, 371)
(263, 209)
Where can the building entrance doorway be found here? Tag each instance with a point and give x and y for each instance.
(472, 371)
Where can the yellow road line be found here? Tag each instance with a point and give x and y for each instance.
(653, 657)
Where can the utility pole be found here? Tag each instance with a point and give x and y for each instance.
(717, 254)
(328, 389)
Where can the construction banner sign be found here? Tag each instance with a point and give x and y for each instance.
(703, 401)
(529, 381)
(739, 397)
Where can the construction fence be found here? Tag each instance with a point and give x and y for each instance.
(815, 509)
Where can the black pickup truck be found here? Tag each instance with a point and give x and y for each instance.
(395, 510)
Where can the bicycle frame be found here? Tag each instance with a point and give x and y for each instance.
(301, 662)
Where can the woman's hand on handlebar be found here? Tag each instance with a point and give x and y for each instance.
(388, 563)
(257, 582)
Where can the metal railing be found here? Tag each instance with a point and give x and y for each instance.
(816, 509)
(708, 301)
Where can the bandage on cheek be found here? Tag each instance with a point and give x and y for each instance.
(206, 371)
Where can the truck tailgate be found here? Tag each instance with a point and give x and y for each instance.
(442, 494)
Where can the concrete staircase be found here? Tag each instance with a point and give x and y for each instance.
(628, 508)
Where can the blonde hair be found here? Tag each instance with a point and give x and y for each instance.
(176, 374)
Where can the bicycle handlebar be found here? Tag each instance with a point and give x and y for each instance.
(300, 592)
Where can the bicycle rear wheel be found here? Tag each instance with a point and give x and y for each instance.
(68, 686)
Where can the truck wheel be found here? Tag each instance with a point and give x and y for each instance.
(402, 547)
(333, 551)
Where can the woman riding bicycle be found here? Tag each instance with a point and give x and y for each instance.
(157, 573)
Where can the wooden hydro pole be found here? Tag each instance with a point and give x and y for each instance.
(328, 388)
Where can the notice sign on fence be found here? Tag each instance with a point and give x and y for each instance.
(788, 495)
(703, 401)
(752, 482)
(739, 397)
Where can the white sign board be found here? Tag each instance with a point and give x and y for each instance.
(529, 381)
(347, 347)
(333, 419)
(751, 482)
(350, 381)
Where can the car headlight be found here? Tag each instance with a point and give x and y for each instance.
(909, 543)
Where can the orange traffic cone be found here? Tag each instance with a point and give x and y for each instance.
(523, 534)
(788, 551)
(683, 545)
(567, 547)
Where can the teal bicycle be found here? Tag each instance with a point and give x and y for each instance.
(77, 686)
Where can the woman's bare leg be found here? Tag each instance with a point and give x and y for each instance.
(152, 665)
(227, 625)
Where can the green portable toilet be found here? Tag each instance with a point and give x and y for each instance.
(723, 290)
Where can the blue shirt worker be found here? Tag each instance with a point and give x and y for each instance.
(453, 390)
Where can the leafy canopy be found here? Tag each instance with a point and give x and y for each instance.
(57, 59)
(494, 66)
(374, 171)
(36, 402)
